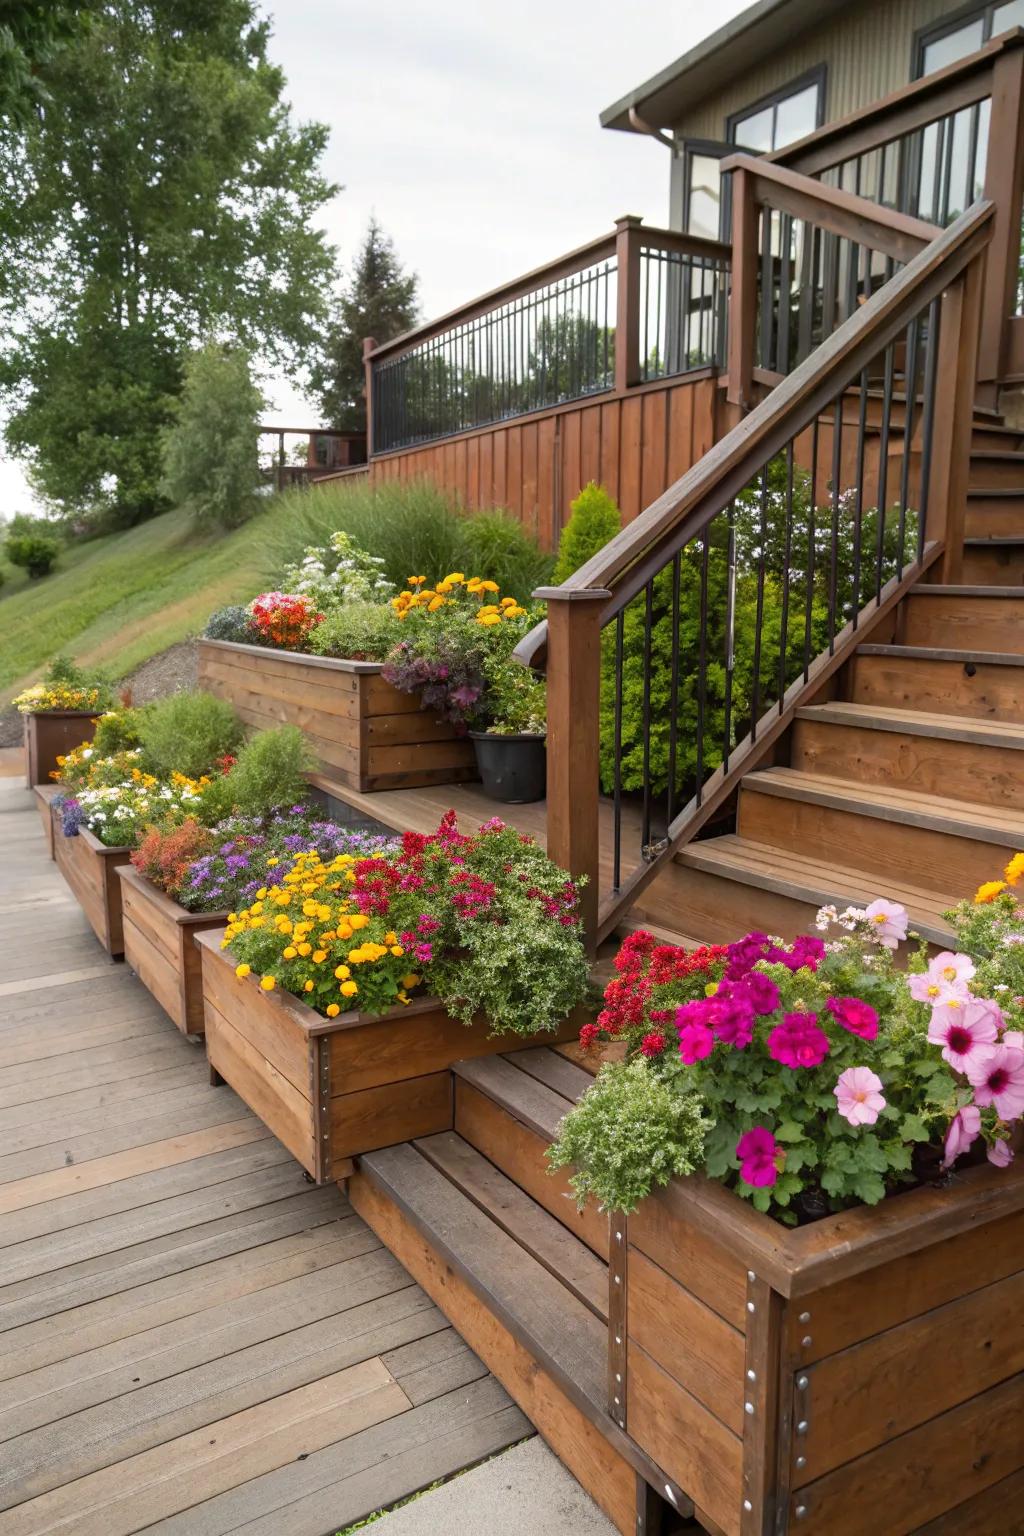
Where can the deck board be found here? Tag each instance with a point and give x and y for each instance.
(192, 1337)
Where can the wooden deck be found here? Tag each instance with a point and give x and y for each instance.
(193, 1339)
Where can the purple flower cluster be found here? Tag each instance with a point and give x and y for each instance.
(71, 814)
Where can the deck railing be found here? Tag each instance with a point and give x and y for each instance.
(729, 601)
(634, 306)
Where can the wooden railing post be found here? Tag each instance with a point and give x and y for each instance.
(368, 346)
(743, 296)
(1004, 186)
(953, 423)
(628, 236)
(574, 738)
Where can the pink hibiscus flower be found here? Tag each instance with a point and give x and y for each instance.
(946, 977)
(887, 922)
(964, 1029)
(798, 1041)
(855, 1015)
(758, 1153)
(963, 1131)
(859, 1096)
(996, 1073)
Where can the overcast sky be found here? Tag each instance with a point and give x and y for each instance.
(471, 130)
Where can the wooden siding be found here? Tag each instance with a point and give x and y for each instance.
(868, 50)
(635, 444)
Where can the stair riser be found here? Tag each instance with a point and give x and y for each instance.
(959, 770)
(941, 687)
(884, 849)
(519, 1153)
(965, 623)
(991, 518)
(996, 474)
(721, 910)
(993, 567)
(607, 1477)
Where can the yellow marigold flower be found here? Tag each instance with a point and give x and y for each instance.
(488, 618)
(508, 602)
(514, 611)
(391, 937)
(402, 997)
(332, 1010)
(344, 930)
(415, 581)
(304, 949)
(232, 917)
(319, 956)
(1015, 869)
(261, 894)
(349, 989)
(989, 891)
(397, 951)
(342, 972)
(242, 971)
(323, 914)
(307, 986)
(436, 603)
(490, 586)
(474, 584)
(454, 578)
(268, 983)
(257, 922)
(272, 862)
(359, 920)
(289, 953)
(411, 980)
(256, 908)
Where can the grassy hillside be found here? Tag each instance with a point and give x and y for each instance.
(118, 600)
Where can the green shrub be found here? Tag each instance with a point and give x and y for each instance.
(188, 732)
(595, 518)
(34, 552)
(358, 631)
(631, 1132)
(120, 730)
(271, 770)
(234, 623)
(210, 462)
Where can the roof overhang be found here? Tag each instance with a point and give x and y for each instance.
(744, 42)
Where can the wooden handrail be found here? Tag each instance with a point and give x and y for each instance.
(601, 249)
(898, 235)
(904, 111)
(626, 563)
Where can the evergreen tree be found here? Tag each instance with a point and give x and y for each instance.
(380, 300)
(160, 194)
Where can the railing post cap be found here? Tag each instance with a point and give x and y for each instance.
(571, 594)
(369, 345)
(629, 221)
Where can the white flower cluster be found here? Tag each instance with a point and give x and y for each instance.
(338, 574)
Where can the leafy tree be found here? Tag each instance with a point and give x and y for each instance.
(381, 301)
(31, 36)
(210, 452)
(163, 195)
(35, 552)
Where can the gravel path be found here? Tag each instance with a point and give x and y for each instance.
(175, 668)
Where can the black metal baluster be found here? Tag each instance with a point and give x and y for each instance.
(928, 422)
(767, 290)
(862, 422)
(673, 704)
(785, 290)
(620, 624)
(883, 463)
(762, 561)
(787, 560)
(833, 576)
(702, 662)
(910, 388)
(730, 639)
(809, 576)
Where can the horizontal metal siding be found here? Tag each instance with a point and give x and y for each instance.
(868, 49)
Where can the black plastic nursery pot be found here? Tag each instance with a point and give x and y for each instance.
(514, 769)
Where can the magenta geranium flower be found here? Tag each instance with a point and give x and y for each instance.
(887, 922)
(798, 1041)
(996, 1073)
(762, 991)
(963, 1131)
(695, 1041)
(859, 1096)
(758, 1153)
(731, 1014)
(964, 1029)
(855, 1015)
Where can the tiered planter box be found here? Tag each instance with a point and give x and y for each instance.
(45, 795)
(858, 1375)
(365, 733)
(49, 734)
(159, 946)
(90, 870)
(332, 1088)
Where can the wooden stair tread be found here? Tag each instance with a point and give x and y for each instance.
(533, 1103)
(937, 589)
(995, 824)
(939, 653)
(815, 881)
(917, 722)
(546, 1239)
(553, 1070)
(995, 540)
(536, 1307)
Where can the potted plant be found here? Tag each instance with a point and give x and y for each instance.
(339, 998)
(511, 748)
(59, 713)
(805, 1276)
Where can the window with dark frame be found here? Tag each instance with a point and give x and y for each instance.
(780, 118)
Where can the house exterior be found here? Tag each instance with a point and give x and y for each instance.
(784, 68)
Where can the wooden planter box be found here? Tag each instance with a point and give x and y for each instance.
(365, 733)
(857, 1376)
(159, 947)
(90, 870)
(332, 1088)
(49, 734)
(45, 795)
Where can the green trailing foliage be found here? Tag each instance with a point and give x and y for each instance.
(358, 632)
(187, 733)
(630, 1133)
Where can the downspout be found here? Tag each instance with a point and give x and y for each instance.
(637, 122)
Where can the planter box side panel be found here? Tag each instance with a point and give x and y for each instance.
(52, 735)
(417, 1042)
(45, 794)
(89, 869)
(158, 945)
(381, 1117)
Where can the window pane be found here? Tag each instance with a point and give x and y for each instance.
(755, 132)
(1010, 15)
(705, 197)
(796, 116)
(981, 156)
(955, 45)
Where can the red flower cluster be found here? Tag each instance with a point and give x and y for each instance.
(653, 980)
(284, 619)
